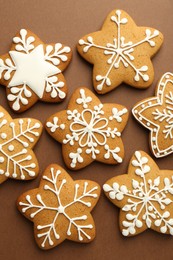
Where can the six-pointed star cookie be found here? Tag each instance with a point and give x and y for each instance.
(121, 52)
(156, 114)
(89, 130)
(60, 208)
(17, 138)
(145, 196)
(32, 70)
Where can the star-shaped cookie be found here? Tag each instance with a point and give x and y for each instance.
(60, 208)
(121, 52)
(32, 71)
(156, 114)
(144, 195)
(89, 130)
(17, 138)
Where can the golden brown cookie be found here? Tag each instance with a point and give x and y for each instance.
(121, 52)
(89, 130)
(144, 195)
(32, 70)
(156, 114)
(17, 138)
(60, 208)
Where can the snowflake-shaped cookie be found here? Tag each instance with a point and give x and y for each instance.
(121, 52)
(145, 196)
(89, 130)
(60, 208)
(31, 71)
(17, 138)
(156, 114)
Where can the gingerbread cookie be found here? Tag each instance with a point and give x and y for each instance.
(145, 196)
(32, 71)
(17, 138)
(121, 52)
(60, 208)
(89, 130)
(156, 114)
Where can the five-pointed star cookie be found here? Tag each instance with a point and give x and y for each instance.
(89, 130)
(145, 196)
(17, 138)
(121, 52)
(156, 114)
(32, 70)
(60, 208)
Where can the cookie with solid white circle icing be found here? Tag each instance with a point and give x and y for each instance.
(121, 52)
(144, 196)
(156, 114)
(32, 70)
(89, 130)
(17, 138)
(60, 208)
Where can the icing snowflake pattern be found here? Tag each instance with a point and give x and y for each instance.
(90, 129)
(156, 114)
(28, 58)
(146, 201)
(120, 52)
(77, 225)
(17, 137)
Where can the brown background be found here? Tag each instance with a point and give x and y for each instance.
(66, 21)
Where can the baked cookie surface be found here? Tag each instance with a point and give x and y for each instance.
(17, 138)
(89, 130)
(32, 71)
(60, 208)
(121, 52)
(156, 114)
(144, 196)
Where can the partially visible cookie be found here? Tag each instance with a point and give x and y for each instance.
(156, 114)
(17, 138)
(144, 195)
(32, 70)
(89, 130)
(60, 208)
(121, 52)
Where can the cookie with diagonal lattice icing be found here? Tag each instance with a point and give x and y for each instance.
(32, 70)
(156, 114)
(89, 130)
(121, 52)
(60, 208)
(144, 196)
(17, 138)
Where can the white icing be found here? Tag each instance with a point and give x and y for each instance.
(10, 155)
(50, 231)
(33, 67)
(147, 201)
(161, 115)
(120, 52)
(90, 129)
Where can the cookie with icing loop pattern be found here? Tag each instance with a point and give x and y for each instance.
(60, 208)
(17, 138)
(144, 196)
(89, 130)
(121, 52)
(32, 71)
(156, 114)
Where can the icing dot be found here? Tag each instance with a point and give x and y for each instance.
(7, 174)
(1, 114)
(155, 130)
(149, 103)
(148, 124)
(142, 105)
(11, 148)
(167, 77)
(1, 159)
(140, 118)
(3, 135)
(1, 172)
(14, 175)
